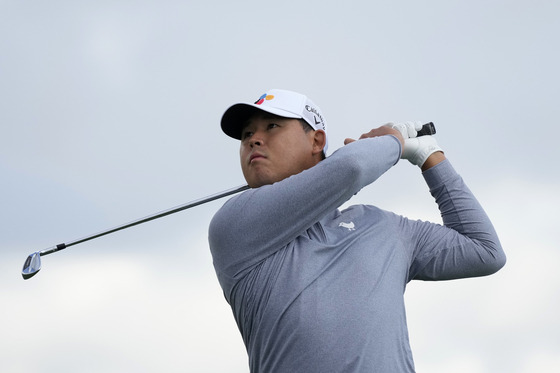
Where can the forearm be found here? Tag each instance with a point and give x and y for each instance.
(468, 244)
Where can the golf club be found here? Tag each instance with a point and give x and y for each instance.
(32, 264)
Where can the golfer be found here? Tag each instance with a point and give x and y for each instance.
(317, 289)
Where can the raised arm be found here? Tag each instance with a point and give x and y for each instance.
(255, 224)
(467, 245)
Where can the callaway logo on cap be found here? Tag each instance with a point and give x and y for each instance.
(280, 102)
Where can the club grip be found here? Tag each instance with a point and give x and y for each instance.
(427, 129)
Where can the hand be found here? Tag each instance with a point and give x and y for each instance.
(417, 150)
(381, 131)
(407, 129)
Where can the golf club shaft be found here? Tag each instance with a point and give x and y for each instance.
(427, 129)
(32, 264)
(170, 211)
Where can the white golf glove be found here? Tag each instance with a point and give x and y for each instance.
(407, 129)
(418, 149)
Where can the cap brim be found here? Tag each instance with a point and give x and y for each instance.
(236, 117)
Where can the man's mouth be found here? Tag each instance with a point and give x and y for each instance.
(255, 156)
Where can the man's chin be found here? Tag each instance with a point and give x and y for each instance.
(257, 182)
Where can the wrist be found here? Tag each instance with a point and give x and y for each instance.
(432, 160)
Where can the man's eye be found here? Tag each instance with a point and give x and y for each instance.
(272, 125)
(246, 135)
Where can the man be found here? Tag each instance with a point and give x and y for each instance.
(315, 289)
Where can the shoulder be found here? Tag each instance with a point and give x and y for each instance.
(228, 211)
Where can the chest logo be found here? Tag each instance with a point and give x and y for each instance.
(350, 226)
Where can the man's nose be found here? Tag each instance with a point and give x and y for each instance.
(257, 139)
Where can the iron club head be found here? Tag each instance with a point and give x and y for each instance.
(32, 265)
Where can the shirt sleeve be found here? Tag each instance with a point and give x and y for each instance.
(467, 245)
(257, 223)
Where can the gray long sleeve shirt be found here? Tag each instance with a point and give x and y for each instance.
(316, 289)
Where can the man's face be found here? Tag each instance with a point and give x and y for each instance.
(274, 148)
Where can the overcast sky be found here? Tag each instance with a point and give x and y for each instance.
(109, 111)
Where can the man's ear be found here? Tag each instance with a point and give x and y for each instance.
(319, 141)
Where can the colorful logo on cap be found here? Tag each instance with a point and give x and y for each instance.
(264, 97)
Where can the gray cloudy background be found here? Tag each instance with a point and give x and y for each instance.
(109, 111)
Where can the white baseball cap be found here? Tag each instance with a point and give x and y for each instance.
(280, 102)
